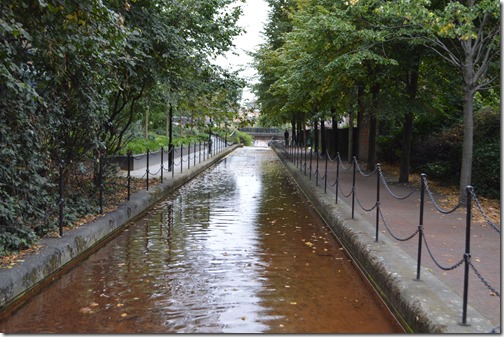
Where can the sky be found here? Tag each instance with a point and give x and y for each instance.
(253, 19)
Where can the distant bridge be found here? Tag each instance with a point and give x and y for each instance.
(264, 135)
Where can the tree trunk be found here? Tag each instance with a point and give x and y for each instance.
(373, 126)
(360, 115)
(334, 123)
(322, 137)
(300, 133)
(406, 147)
(293, 130)
(411, 90)
(467, 144)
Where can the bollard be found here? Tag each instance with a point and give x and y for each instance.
(467, 256)
(62, 198)
(420, 224)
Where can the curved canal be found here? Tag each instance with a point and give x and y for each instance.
(236, 250)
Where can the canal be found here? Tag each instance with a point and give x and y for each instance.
(236, 250)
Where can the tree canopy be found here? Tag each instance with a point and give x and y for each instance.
(75, 76)
(391, 63)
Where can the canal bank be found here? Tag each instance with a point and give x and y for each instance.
(55, 254)
(425, 306)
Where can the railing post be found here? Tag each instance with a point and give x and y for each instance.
(181, 158)
(420, 224)
(189, 156)
(129, 174)
(162, 167)
(316, 171)
(170, 157)
(147, 170)
(467, 255)
(325, 182)
(305, 161)
(100, 182)
(378, 171)
(337, 174)
(199, 152)
(353, 185)
(62, 197)
(194, 156)
(311, 156)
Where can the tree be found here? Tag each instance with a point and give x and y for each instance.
(466, 34)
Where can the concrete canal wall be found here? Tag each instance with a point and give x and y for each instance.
(57, 253)
(426, 306)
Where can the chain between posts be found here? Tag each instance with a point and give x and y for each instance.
(422, 240)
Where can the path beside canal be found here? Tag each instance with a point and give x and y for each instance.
(445, 234)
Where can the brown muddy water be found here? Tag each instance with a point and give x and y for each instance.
(237, 250)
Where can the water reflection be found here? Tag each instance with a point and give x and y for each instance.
(235, 250)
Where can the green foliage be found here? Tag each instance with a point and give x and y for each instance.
(486, 168)
(75, 76)
(239, 137)
(440, 155)
(140, 145)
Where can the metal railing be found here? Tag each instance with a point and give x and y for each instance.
(304, 160)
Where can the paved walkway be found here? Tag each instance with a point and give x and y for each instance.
(444, 233)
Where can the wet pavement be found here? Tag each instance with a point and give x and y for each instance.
(445, 234)
(238, 249)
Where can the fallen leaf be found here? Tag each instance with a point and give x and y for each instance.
(124, 314)
(243, 318)
(85, 310)
(293, 303)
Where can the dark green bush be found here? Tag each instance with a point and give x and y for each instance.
(486, 169)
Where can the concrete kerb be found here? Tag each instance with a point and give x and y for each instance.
(57, 253)
(425, 306)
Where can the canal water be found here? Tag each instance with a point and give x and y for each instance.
(237, 250)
